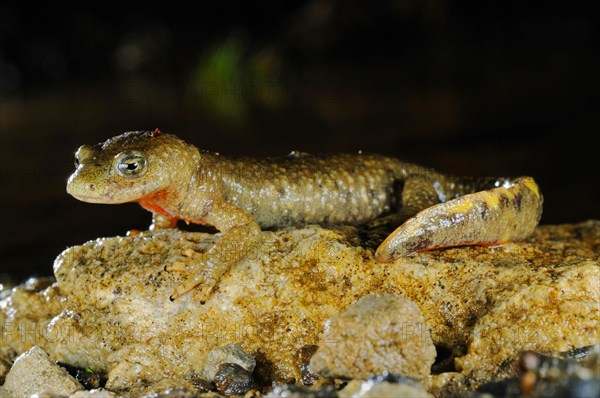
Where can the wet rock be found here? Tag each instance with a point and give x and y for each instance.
(167, 386)
(383, 389)
(575, 373)
(95, 393)
(173, 393)
(25, 315)
(385, 385)
(230, 353)
(232, 379)
(293, 391)
(34, 372)
(109, 309)
(391, 390)
(377, 334)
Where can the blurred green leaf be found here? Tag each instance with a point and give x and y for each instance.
(229, 79)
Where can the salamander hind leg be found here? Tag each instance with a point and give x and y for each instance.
(418, 193)
(509, 212)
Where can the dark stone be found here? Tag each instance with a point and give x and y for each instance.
(503, 388)
(308, 376)
(203, 385)
(89, 379)
(232, 379)
(568, 374)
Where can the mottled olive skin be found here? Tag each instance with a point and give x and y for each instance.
(174, 180)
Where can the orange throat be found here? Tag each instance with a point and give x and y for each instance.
(154, 203)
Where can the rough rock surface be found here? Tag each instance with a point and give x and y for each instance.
(109, 309)
(94, 394)
(376, 334)
(34, 372)
(382, 389)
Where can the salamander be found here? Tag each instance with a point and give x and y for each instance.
(241, 196)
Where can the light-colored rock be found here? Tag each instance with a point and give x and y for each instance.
(119, 379)
(384, 389)
(531, 318)
(100, 393)
(230, 353)
(25, 315)
(165, 388)
(375, 335)
(34, 373)
(110, 309)
(295, 391)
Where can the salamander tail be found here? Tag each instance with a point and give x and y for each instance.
(505, 213)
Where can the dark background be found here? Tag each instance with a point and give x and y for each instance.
(474, 88)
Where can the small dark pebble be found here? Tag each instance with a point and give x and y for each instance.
(203, 385)
(503, 388)
(580, 352)
(308, 376)
(232, 379)
(89, 380)
(569, 374)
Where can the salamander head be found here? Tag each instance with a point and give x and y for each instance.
(131, 167)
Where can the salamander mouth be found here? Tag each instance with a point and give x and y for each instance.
(97, 199)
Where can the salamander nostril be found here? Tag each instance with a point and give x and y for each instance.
(84, 152)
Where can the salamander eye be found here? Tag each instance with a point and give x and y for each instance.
(83, 152)
(131, 165)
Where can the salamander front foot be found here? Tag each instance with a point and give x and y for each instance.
(198, 273)
(201, 281)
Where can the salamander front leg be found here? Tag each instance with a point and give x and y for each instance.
(204, 270)
(509, 212)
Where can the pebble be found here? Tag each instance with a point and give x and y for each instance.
(33, 372)
(375, 335)
(232, 379)
(386, 385)
(230, 353)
